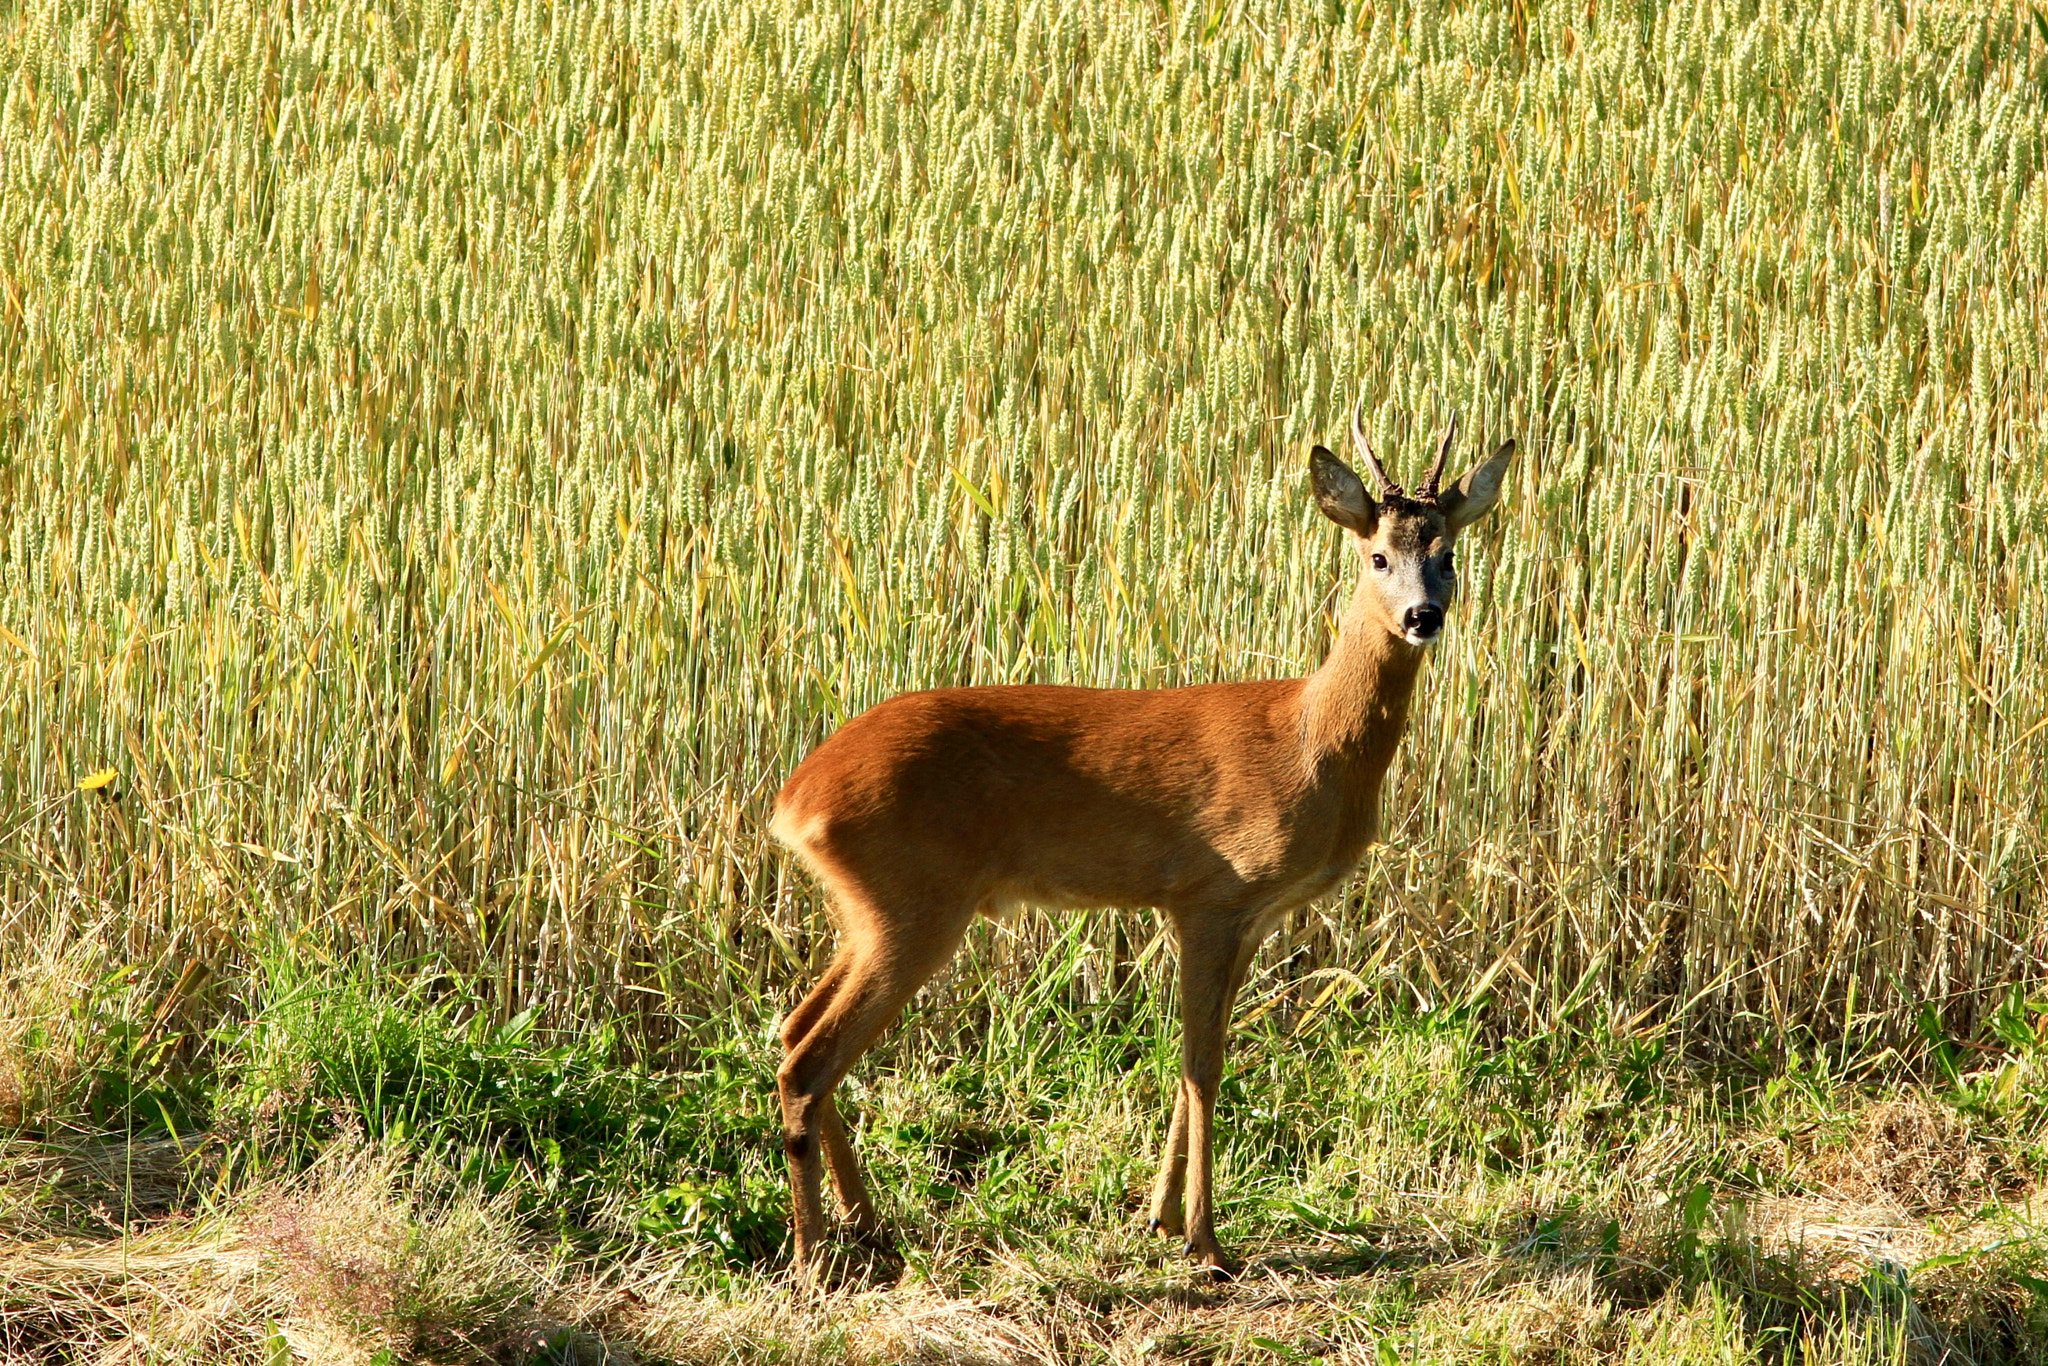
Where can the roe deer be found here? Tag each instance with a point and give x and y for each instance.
(1224, 806)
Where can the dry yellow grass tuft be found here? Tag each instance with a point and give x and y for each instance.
(48, 1038)
(360, 1248)
(1915, 1159)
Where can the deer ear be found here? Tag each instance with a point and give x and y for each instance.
(1339, 493)
(1472, 497)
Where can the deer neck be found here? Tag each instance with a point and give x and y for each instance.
(1356, 704)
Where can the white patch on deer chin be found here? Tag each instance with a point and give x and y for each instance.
(1417, 638)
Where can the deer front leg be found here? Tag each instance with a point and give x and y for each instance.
(1167, 1215)
(1211, 967)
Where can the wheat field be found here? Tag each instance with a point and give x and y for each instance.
(458, 458)
(455, 459)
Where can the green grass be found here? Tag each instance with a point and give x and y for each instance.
(456, 459)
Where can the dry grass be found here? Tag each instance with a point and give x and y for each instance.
(372, 1252)
(1910, 1159)
(47, 1039)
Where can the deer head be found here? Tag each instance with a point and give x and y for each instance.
(1405, 539)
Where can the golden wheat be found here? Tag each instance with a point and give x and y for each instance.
(455, 458)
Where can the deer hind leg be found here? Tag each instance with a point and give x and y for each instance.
(884, 967)
(847, 1182)
(1212, 967)
(798, 1022)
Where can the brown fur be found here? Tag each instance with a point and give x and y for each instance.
(1225, 806)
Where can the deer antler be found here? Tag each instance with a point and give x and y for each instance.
(1427, 493)
(1388, 488)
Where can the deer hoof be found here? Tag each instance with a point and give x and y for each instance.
(1213, 1267)
(849, 1263)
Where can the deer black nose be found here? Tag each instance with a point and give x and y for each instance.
(1423, 621)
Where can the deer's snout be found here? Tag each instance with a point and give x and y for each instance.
(1422, 623)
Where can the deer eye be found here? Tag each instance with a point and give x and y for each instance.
(1379, 562)
(1449, 566)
